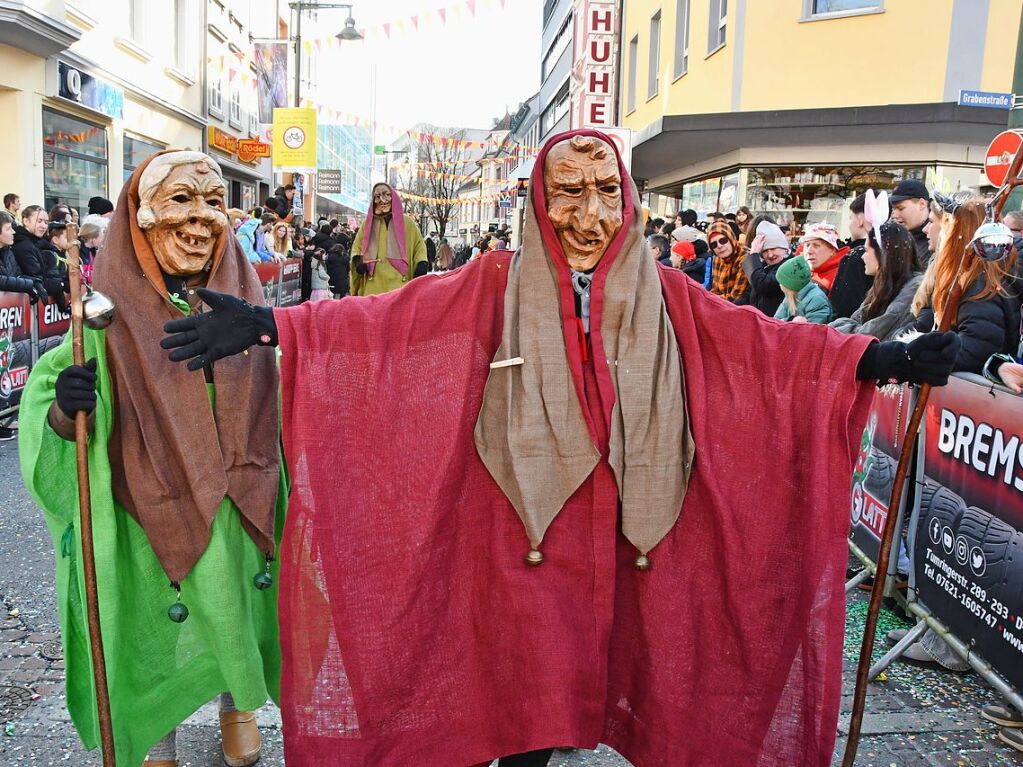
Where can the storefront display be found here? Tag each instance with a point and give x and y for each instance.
(135, 151)
(799, 195)
(74, 160)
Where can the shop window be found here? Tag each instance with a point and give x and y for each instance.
(654, 72)
(135, 151)
(633, 63)
(718, 25)
(822, 7)
(681, 37)
(74, 160)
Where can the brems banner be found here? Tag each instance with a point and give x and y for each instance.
(968, 553)
(874, 474)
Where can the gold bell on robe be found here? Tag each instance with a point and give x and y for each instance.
(534, 558)
(642, 563)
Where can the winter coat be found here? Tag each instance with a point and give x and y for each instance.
(985, 327)
(765, 292)
(319, 278)
(247, 237)
(26, 252)
(811, 302)
(850, 285)
(338, 267)
(888, 324)
(11, 280)
(696, 270)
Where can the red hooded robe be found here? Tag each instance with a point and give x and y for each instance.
(412, 631)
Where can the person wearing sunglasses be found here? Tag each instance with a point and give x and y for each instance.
(729, 280)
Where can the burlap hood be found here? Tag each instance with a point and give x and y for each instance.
(173, 458)
(533, 434)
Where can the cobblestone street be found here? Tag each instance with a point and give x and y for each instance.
(917, 717)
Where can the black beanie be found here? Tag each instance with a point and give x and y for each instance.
(100, 206)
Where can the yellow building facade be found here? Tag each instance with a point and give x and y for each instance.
(794, 106)
(90, 88)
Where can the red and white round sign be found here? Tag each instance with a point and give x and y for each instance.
(999, 156)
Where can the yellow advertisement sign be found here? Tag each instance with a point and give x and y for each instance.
(294, 135)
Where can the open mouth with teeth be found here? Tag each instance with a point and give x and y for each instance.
(582, 243)
(195, 243)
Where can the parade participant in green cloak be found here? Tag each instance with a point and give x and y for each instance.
(188, 487)
(385, 254)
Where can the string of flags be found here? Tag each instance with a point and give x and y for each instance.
(81, 137)
(504, 194)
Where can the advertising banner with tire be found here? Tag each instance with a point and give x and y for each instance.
(968, 554)
(874, 474)
(16, 341)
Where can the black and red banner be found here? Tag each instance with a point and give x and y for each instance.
(968, 556)
(874, 474)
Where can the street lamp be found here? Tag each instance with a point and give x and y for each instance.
(348, 33)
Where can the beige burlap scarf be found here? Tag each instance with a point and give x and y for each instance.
(531, 433)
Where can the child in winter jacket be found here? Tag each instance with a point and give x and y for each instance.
(804, 300)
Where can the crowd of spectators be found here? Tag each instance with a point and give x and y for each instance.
(889, 281)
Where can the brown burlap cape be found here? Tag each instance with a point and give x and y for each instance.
(172, 457)
(532, 433)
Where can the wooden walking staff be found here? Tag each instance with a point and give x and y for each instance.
(106, 730)
(884, 556)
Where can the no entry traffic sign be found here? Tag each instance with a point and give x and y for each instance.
(999, 156)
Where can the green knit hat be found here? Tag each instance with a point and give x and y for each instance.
(794, 274)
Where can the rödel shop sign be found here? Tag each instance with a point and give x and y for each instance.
(594, 82)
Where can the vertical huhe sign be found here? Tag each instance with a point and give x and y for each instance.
(595, 49)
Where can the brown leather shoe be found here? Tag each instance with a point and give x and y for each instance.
(160, 763)
(241, 739)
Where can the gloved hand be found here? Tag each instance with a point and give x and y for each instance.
(360, 268)
(231, 327)
(926, 359)
(37, 291)
(76, 388)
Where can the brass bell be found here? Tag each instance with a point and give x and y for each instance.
(97, 309)
(534, 558)
(642, 563)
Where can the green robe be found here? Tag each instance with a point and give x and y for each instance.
(159, 672)
(386, 278)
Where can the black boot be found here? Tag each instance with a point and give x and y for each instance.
(531, 759)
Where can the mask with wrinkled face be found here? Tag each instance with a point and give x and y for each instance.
(188, 208)
(584, 198)
(381, 201)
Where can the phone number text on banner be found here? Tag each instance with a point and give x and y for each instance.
(968, 556)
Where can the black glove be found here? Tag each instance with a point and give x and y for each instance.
(76, 388)
(37, 292)
(231, 327)
(927, 359)
(360, 268)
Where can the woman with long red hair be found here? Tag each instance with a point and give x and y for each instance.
(988, 318)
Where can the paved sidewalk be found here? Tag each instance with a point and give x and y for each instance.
(918, 717)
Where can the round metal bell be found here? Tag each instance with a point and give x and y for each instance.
(263, 581)
(97, 309)
(642, 563)
(177, 612)
(534, 558)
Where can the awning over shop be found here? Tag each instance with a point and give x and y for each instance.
(676, 141)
